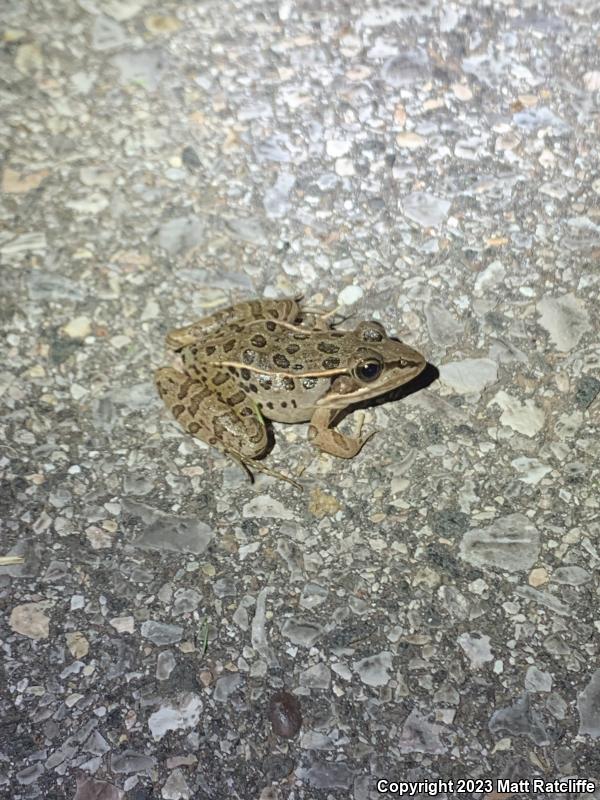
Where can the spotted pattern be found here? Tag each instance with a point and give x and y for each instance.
(236, 399)
(258, 350)
(220, 378)
(280, 361)
(328, 347)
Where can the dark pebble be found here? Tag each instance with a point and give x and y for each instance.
(284, 713)
(276, 768)
(190, 158)
(586, 391)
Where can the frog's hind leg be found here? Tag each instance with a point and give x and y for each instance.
(228, 422)
(251, 464)
(225, 420)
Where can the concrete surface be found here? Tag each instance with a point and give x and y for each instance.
(433, 603)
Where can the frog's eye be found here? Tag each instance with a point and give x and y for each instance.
(368, 370)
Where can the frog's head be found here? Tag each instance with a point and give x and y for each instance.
(375, 365)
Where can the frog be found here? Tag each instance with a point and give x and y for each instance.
(278, 360)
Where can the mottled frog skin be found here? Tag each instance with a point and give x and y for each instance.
(275, 359)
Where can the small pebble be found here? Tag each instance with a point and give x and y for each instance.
(344, 166)
(78, 328)
(349, 295)
(409, 140)
(285, 715)
(337, 147)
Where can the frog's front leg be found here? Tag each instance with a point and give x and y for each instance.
(321, 434)
(229, 422)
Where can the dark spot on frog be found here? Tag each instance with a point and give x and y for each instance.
(270, 325)
(283, 404)
(193, 427)
(285, 714)
(309, 383)
(220, 378)
(245, 373)
(253, 388)
(292, 348)
(228, 346)
(328, 347)
(246, 412)
(258, 340)
(331, 363)
(236, 399)
(265, 382)
(248, 356)
(300, 336)
(288, 384)
(210, 350)
(280, 361)
(270, 405)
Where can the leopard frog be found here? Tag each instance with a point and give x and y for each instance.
(275, 359)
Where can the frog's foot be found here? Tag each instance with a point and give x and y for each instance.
(248, 464)
(321, 319)
(336, 443)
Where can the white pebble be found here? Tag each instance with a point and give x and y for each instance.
(338, 147)
(78, 328)
(344, 166)
(350, 295)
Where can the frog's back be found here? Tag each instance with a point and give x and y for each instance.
(273, 347)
